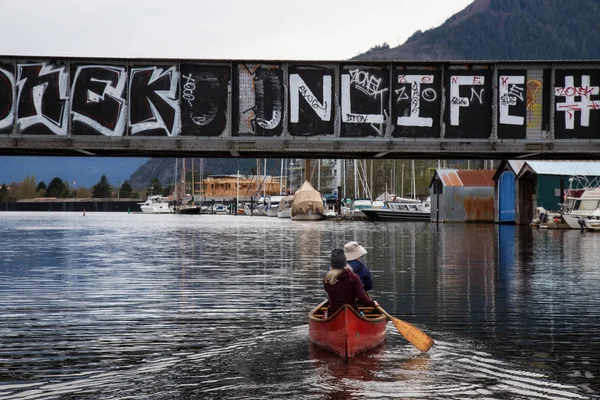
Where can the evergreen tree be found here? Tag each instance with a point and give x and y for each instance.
(102, 189)
(156, 187)
(126, 190)
(167, 191)
(56, 188)
(3, 193)
(40, 189)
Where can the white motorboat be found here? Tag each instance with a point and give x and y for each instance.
(358, 205)
(272, 207)
(156, 204)
(285, 207)
(330, 205)
(400, 210)
(219, 209)
(580, 212)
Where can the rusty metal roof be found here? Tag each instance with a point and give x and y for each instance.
(477, 177)
(449, 177)
(466, 177)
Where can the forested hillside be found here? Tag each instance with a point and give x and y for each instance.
(506, 30)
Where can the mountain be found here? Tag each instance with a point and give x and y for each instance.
(85, 171)
(505, 30)
(164, 169)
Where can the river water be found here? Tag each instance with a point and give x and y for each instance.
(134, 306)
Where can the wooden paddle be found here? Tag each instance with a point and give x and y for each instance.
(418, 338)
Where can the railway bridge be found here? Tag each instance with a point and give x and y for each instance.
(299, 109)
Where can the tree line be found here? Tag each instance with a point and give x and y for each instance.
(58, 188)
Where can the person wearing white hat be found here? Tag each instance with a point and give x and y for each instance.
(354, 252)
(343, 286)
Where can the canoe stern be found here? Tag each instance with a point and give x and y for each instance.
(346, 333)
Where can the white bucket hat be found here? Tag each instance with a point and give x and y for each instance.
(354, 250)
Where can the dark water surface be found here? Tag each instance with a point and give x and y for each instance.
(133, 306)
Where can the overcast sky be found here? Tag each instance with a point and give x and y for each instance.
(229, 29)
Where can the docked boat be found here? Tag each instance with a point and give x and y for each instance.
(156, 204)
(257, 209)
(188, 207)
(285, 207)
(400, 210)
(219, 209)
(330, 202)
(358, 205)
(308, 204)
(272, 207)
(580, 211)
(346, 332)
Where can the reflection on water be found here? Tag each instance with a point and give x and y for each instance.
(171, 306)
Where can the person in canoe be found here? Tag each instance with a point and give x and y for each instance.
(354, 252)
(343, 286)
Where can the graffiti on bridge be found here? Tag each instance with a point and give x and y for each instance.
(274, 99)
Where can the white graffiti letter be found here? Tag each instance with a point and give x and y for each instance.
(415, 98)
(161, 100)
(298, 86)
(38, 84)
(109, 121)
(347, 115)
(456, 102)
(585, 103)
(510, 99)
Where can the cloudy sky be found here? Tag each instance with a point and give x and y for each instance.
(232, 29)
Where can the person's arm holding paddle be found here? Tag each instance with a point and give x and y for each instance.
(362, 296)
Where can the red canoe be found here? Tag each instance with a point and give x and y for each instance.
(346, 332)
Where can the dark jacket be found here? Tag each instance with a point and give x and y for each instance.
(363, 272)
(346, 290)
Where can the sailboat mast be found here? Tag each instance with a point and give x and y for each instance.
(183, 180)
(370, 184)
(414, 185)
(355, 179)
(257, 176)
(174, 191)
(344, 176)
(281, 178)
(402, 181)
(201, 179)
(193, 183)
(319, 177)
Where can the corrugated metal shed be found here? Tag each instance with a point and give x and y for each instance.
(462, 195)
(565, 168)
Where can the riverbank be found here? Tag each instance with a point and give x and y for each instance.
(73, 205)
